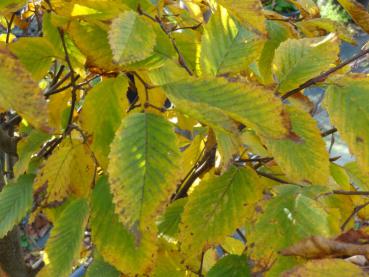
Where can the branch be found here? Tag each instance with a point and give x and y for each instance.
(9, 28)
(329, 132)
(354, 212)
(274, 178)
(322, 77)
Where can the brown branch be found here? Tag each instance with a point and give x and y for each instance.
(329, 132)
(322, 77)
(9, 28)
(186, 27)
(354, 212)
(274, 178)
(241, 235)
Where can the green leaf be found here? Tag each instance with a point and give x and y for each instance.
(15, 201)
(358, 177)
(168, 223)
(254, 106)
(348, 108)
(100, 268)
(217, 206)
(35, 54)
(235, 48)
(326, 268)
(68, 171)
(113, 241)
(142, 170)
(230, 265)
(131, 38)
(64, 244)
(304, 158)
(20, 92)
(298, 60)
(7, 6)
(102, 113)
(292, 215)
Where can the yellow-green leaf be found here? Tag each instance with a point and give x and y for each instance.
(113, 241)
(358, 12)
(143, 164)
(298, 60)
(100, 268)
(304, 158)
(20, 92)
(102, 112)
(131, 38)
(219, 204)
(66, 238)
(348, 108)
(69, 170)
(231, 265)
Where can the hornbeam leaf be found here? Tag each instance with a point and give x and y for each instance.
(235, 48)
(20, 92)
(249, 104)
(144, 160)
(292, 215)
(358, 12)
(217, 207)
(131, 38)
(348, 107)
(113, 241)
(15, 201)
(168, 223)
(298, 60)
(306, 158)
(69, 170)
(100, 268)
(326, 267)
(230, 265)
(102, 113)
(64, 244)
(248, 12)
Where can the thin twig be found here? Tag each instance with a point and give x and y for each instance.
(241, 235)
(9, 28)
(201, 264)
(322, 77)
(329, 132)
(274, 178)
(354, 212)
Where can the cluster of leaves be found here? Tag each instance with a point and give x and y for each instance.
(178, 132)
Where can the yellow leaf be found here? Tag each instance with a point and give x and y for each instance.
(358, 13)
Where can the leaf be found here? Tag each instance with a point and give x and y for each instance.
(358, 177)
(358, 13)
(308, 8)
(26, 148)
(277, 32)
(326, 268)
(249, 104)
(347, 104)
(15, 201)
(306, 158)
(69, 170)
(18, 91)
(313, 27)
(131, 38)
(230, 265)
(7, 6)
(228, 146)
(168, 223)
(35, 54)
(248, 12)
(298, 60)
(102, 113)
(236, 46)
(113, 241)
(142, 170)
(92, 40)
(292, 215)
(63, 246)
(219, 204)
(317, 247)
(100, 268)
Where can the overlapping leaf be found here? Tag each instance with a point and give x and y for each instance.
(69, 170)
(358, 12)
(236, 46)
(249, 104)
(113, 241)
(66, 237)
(304, 158)
(102, 113)
(142, 169)
(15, 201)
(230, 265)
(100, 268)
(131, 38)
(219, 203)
(298, 60)
(348, 108)
(20, 92)
(168, 223)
